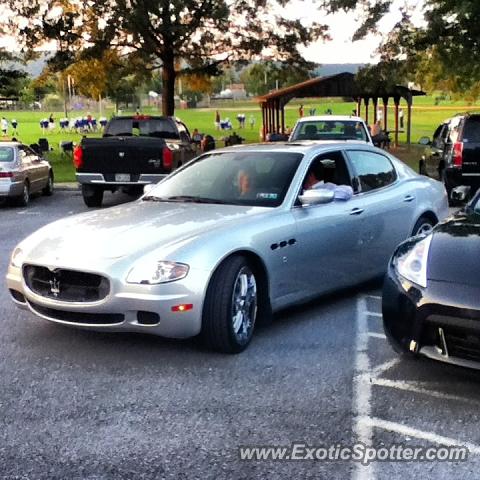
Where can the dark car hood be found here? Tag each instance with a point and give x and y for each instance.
(455, 251)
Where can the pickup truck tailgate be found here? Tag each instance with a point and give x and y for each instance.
(133, 155)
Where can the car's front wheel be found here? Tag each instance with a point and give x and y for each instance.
(231, 305)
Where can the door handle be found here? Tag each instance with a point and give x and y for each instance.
(409, 198)
(356, 211)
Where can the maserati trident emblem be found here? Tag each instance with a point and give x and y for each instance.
(55, 286)
(121, 154)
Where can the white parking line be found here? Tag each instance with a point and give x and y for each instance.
(366, 378)
(377, 335)
(394, 427)
(418, 388)
(375, 297)
(375, 314)
(362, 391)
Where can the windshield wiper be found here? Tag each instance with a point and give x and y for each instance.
(196, 199)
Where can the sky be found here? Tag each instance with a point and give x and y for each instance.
(342, 25)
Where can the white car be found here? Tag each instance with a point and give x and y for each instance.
(331, 127)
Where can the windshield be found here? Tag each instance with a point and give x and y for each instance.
(237, 178)
(329, 130)
(149, 127)
(6, 154)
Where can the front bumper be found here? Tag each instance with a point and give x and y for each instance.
(100, 179)
(127, 307)
(10, 189)
(441, 321)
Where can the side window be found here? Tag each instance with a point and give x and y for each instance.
(328, 168)
(372, 170)
(183, 132)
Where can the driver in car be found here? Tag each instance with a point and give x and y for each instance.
(317, 176)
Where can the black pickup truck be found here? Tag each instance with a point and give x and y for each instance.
(134, 151)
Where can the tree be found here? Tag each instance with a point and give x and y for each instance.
(260, 78)
(442, 53)
(11, 79)
(199, 35)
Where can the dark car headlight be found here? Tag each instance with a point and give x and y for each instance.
(153, 272)
(412, 264)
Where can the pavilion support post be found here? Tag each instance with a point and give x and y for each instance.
(264, 130)
(397, 103)
(409, 120)
(375, 113)
(359, 107)
(283, 119)
(385, 113)
(367, 101)
(278, 116)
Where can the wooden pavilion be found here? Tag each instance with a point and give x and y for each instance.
(340, 85)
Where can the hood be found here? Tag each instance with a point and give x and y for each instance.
(455, 251)
(128, 229)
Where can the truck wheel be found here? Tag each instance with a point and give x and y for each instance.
(92, 196)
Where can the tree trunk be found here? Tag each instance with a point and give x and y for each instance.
(168, 91)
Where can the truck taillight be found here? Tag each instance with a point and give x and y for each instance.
(78, 157)
(167, 159)
(458, 154)
(6, 174)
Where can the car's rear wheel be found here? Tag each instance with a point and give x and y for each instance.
(48, 190)
(92, 195)
(24, 199)
(231, 305)
(423, 226)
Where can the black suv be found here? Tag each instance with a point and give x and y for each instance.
(453, 155)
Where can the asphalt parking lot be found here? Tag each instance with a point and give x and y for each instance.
(84, 405)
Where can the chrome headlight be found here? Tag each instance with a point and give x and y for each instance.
(17, 258)
(412, 265)
(153, 272)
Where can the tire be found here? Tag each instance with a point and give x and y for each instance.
(48, 190)
(24, 199)
(92, 196)
(423, 226)
(422, 168)
(228, 319)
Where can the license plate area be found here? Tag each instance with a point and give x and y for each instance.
(122, 177)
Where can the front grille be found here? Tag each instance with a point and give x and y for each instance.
(66, 285)
(79, 317)
(463, 344)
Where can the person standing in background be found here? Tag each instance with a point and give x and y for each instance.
(14, 126)
(400, 116)
(4, 126)
(300, 111)
(217, 120)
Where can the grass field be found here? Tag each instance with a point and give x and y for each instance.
(426, 117)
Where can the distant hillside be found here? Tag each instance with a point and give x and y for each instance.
(334, 68)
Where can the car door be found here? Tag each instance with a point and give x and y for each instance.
(328, 254)
(188, 150)
(40, 169)
(388, 208)
(435, 151)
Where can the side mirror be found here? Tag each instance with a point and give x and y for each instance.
(424, 141)
(316, 196)
(148, 188)
(460, 194)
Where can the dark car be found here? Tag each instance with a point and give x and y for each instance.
(134, 151)
(453, 154)
(431, 295)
